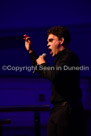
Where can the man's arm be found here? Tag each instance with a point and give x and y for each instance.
(58, 72)
(51, 73)
(28, 46)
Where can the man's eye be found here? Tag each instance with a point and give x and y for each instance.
(50, 40)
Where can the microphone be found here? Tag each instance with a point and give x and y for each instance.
(44, 56)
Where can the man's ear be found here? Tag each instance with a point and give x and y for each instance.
(62, 40)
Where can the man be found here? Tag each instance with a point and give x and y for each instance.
(66, 116)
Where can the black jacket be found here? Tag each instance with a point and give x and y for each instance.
(65, 80)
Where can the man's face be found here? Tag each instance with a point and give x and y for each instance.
(54, 44)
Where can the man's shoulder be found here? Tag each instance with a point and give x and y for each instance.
(69, 57)
(71, 54)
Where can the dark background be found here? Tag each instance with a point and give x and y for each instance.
(32, 17)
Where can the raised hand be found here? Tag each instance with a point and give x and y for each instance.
(28, 45)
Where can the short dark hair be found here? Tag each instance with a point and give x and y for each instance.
(60, 31)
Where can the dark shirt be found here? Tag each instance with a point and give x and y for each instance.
(65, 82)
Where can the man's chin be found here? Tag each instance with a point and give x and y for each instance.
(53, 55)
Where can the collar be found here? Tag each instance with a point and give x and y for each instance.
(59, 54)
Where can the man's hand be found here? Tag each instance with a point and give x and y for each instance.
(28, 43)
(40, 60)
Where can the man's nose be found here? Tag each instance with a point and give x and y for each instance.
(48, 45)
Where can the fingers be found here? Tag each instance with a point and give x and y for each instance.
(40, 60)
(26, 37)
(41, 57)
(28, 45)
